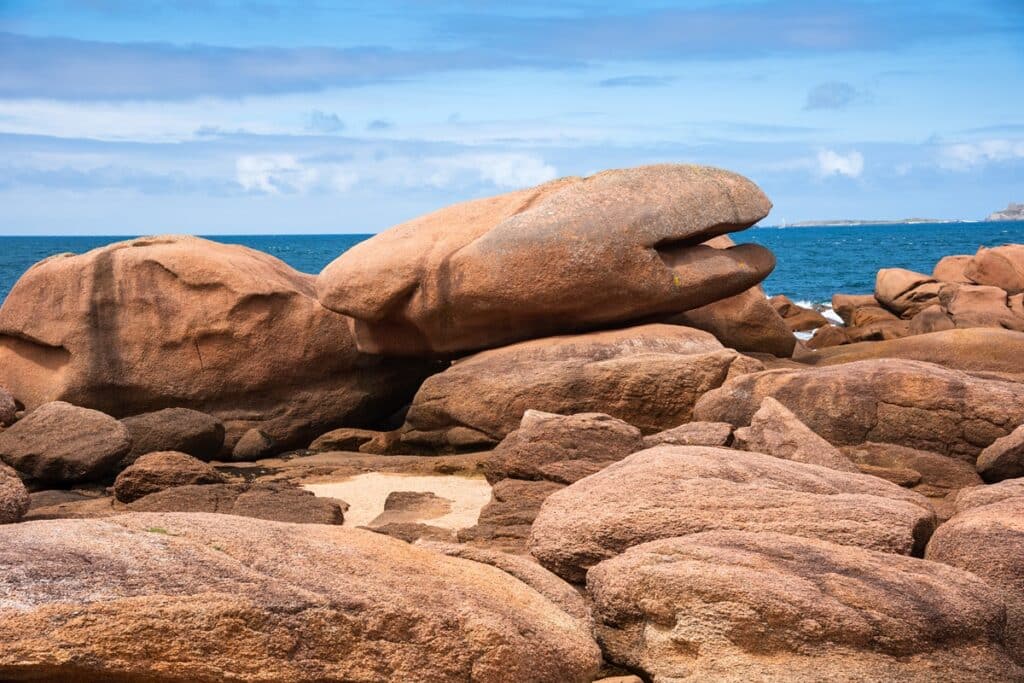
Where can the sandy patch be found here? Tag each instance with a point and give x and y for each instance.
(366, 493)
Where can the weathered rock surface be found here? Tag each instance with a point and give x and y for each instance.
(905, 292)
(679, 490)
(343, 439)
(401, 507)
(278, 502)
(649, 376)
(976, 350)
(174, 429)
(255, 444)
(14, 499)
(177, 321)
(952, 268)
(904, 402)
(745, 322)
(977, 496)
(988, 541)
(845, 304)
(59, 443)
(506, 520)
(739, 606)
(692, 434)
(1004, 459)
(1001, 267)
(980, 306)
(8, 408)
(162, 470)
(627, 244)
(777, 432)
(523, 568)
(797, 318)
(561, 448)
(223, 598)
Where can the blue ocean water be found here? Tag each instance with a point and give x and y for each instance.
(812, 262)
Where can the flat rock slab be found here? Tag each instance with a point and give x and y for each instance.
(224, 598)
(739, 606)
(680, 490)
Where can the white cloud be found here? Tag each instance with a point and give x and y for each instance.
(833, 163)
(274, 174)
(967, 155)
(289, 174)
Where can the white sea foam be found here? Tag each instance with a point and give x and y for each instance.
(804, 336)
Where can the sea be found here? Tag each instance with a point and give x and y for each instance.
(813, 262)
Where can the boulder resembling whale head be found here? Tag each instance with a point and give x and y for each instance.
(570, 255)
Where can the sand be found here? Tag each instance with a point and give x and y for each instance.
(366, 493)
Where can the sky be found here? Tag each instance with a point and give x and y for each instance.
(264, 116)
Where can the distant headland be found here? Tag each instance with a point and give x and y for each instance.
(1013, 212)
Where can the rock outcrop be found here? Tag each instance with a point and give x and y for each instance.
(58, 443)
(692, 434)
(174, 321)
(737, 606)
(777, 432)
(627, 244)
(277, 502)
(904, 402)
(561, 448)
(14, 499)
(174, 429)
(649, 376)
(162, 470)
(224, 598)
(1004, 459)
(679, 490)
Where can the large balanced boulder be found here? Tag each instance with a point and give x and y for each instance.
(58, 443)
(173, 597)
(904, 402)
(735, 606)
(975, 350)
(14, 498)
(679, 490)
(561, 448)
(567, 256)
(162, 470)
(174, 429)
(648, 376)
(177, 321)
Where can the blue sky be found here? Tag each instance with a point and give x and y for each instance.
(217, 116)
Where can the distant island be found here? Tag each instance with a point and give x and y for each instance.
(854, 222)
(1013, 212)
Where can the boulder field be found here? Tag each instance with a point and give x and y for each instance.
(682, 486)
